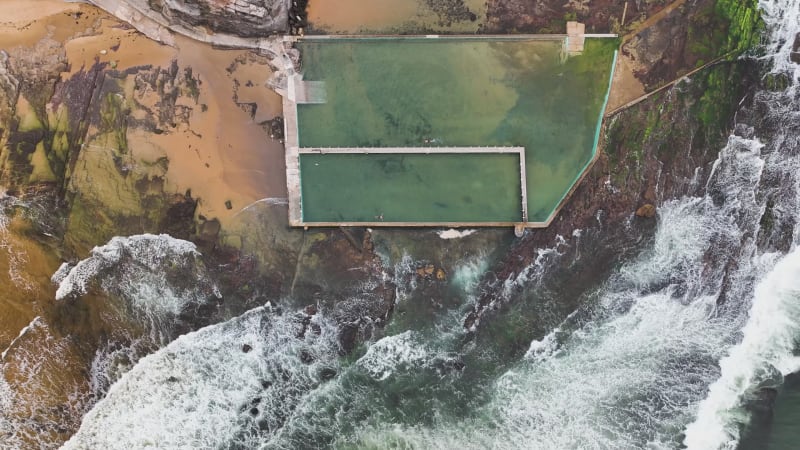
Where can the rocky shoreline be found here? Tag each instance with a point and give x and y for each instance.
(626, 178)
(105, 133)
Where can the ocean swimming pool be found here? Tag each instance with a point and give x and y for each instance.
(462, 92)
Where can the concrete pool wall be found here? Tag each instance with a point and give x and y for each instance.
(535, 97)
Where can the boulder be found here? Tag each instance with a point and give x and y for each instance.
(647, 211)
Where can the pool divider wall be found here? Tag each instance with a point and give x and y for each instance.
(507, 37)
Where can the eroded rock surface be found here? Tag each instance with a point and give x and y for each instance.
(550, 16)
(248, 18)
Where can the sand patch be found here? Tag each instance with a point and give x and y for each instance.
(625, 87)
(225, 156)
(120, 47)
(25, 22)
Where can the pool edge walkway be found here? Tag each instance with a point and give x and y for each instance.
(291, 142)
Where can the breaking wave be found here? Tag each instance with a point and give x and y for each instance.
(231, 385)
(159, 279)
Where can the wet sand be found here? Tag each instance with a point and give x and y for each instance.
(387, 16)
(123, 48)
(25, 288)
(224, 154)
(25, 22)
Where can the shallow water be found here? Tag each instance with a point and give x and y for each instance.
(411, 188)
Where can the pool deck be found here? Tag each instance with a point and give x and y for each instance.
(292, 142)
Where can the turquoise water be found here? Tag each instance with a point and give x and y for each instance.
(460, 92)
(411, 188)
(779, 430)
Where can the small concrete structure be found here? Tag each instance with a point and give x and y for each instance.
(308, 92)
(576, 36)
(292, 160)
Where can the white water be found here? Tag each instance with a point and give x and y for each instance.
(22, 332)
(781, 17)
(142, 271)
(392, 353)
(769, 338)
(624, 379)
(16, 257)
(149, 250)
(452, 233)
(207, 390)
(35, 363)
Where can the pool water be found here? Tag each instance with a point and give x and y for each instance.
(406, 92)
(410, 188)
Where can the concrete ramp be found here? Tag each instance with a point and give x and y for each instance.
(308, 92)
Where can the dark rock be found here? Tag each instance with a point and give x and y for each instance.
(366, 243)
(449, 11)
(274, 127)
(246, 348)
(254, 412)
(247, 18)
(795, 55)
(306, 357)
(348, 337)
(327, 373)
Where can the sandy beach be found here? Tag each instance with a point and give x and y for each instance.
(224, 154)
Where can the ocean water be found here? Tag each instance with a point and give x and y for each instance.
(89, 324)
